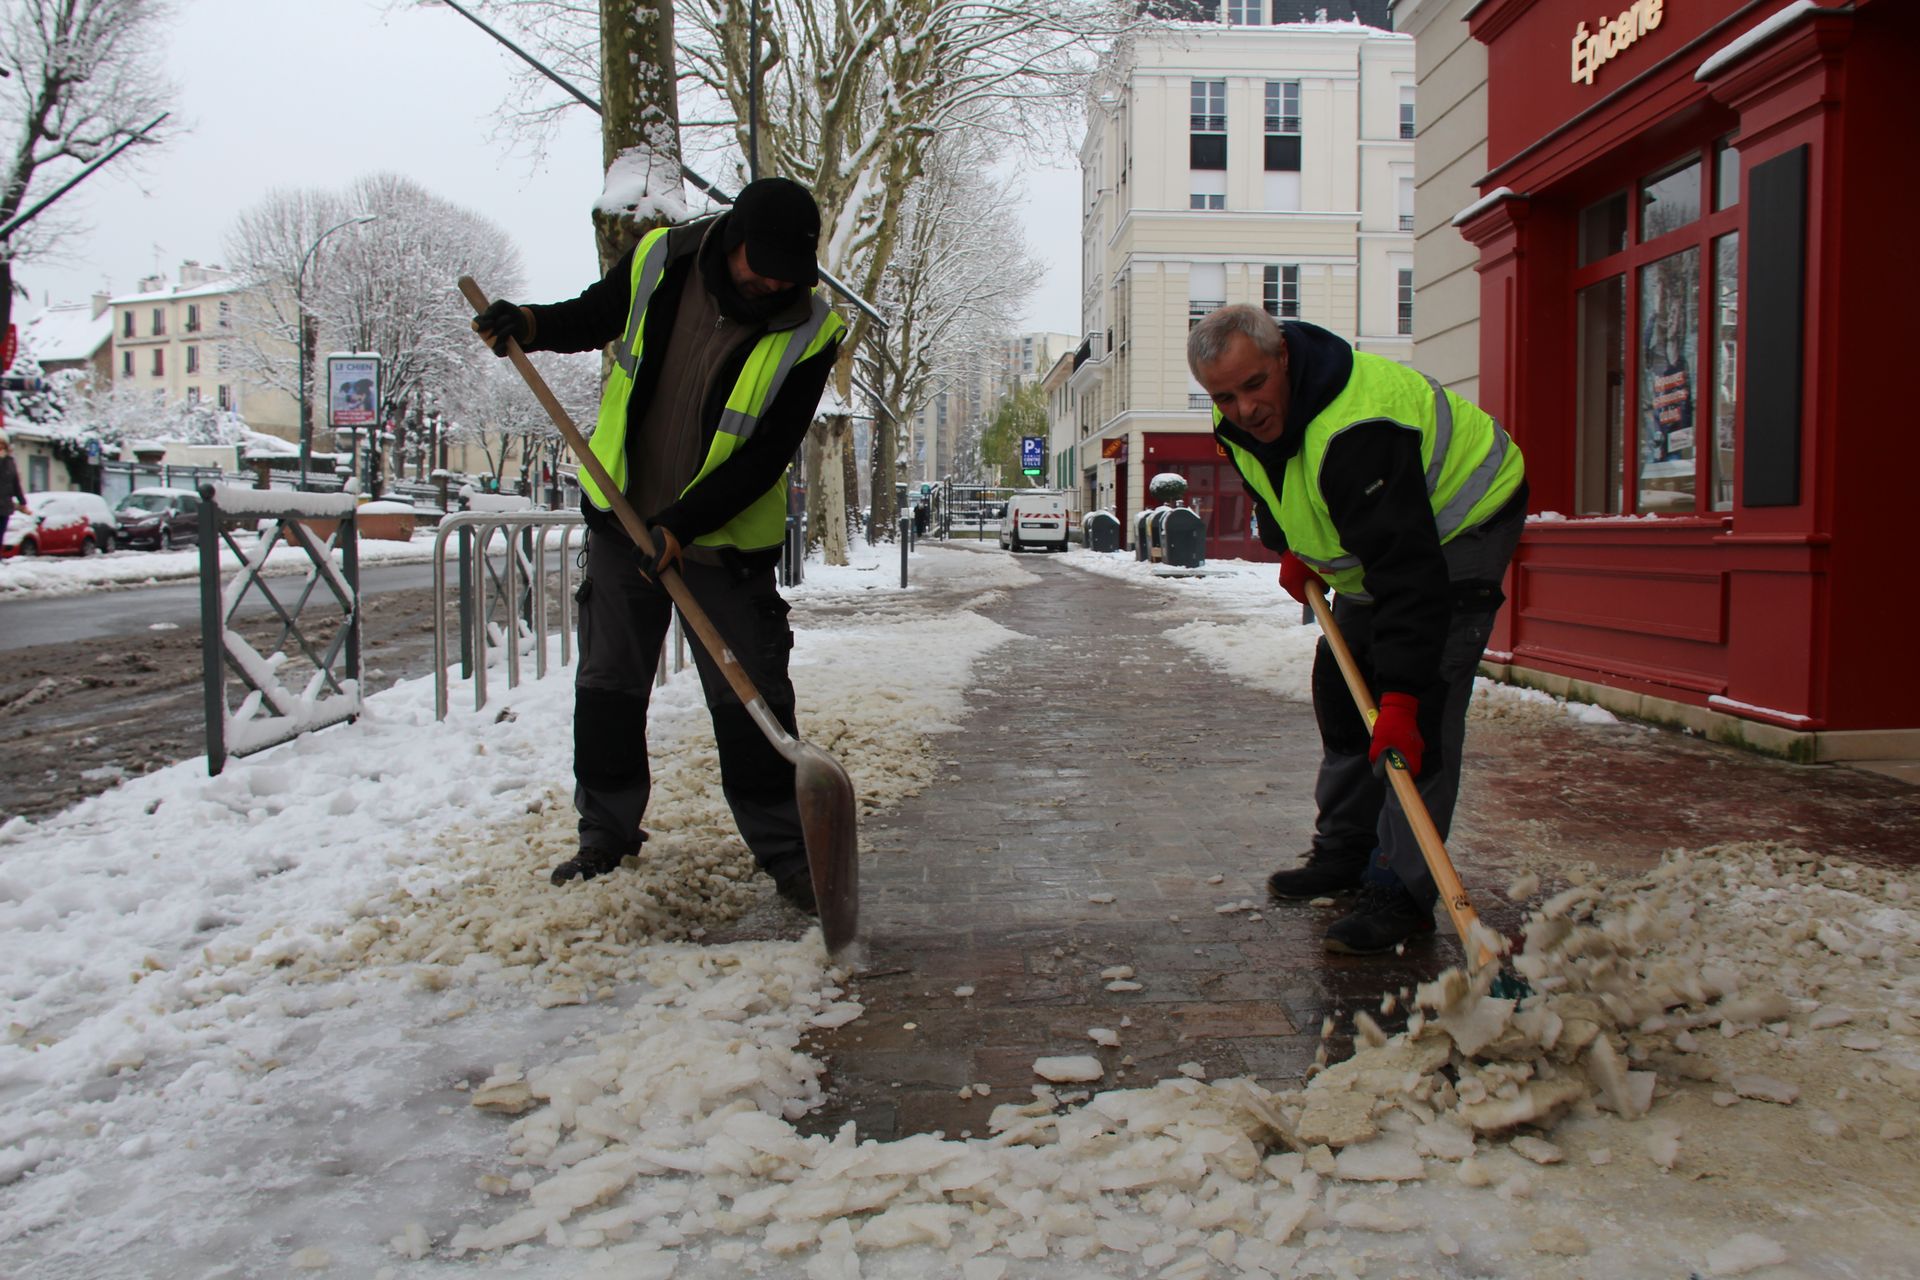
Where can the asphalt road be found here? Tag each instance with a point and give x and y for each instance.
(94, 615)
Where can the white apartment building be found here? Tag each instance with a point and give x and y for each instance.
(1233, 160)
(175, 340)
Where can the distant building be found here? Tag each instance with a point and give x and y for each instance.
(1233, 159)
(73, 337)
(177, 341)
(970, 397)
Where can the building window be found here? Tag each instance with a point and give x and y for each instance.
(1406, 112)
(1243, 13)
(1403, 198)
(159, 361)
(1405, 292)
(226, 314)
(1206, 290)
(193, 359)
(193, 317)
(126, 324)
(1281, 292)
(1283, 126)
(193, 395)
(159, 321)
(1207, 189)
(1207, 147)
(1656, 313)
(126, 363)
(223, 396)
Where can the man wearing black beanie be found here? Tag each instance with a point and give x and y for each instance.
(722, 351)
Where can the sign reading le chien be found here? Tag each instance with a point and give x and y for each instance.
(1612, 37)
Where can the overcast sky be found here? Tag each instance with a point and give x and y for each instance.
(288, 93)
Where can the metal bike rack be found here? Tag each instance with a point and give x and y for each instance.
(517, 591)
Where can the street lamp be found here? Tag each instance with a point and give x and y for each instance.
(304, 339)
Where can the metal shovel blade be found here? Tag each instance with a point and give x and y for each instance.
(825, 796)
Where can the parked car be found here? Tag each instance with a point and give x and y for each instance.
(91, 505)
(55, 527)
(158, 518)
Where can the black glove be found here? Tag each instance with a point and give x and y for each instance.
(500, 321)
(666, 553)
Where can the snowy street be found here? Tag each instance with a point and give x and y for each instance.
(325, 1015)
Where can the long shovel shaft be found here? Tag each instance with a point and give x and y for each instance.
(1466, 921)
(690, 609)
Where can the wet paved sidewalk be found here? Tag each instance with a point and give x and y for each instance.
(1105, 775)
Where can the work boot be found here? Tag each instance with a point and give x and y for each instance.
(1321, 875)
(1383, 918)
(587, 864)
(796, 888)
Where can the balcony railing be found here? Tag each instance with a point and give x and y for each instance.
(1406, 222)
(1406, 128)
(1198, 400)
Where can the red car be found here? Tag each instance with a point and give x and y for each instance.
(61, 525)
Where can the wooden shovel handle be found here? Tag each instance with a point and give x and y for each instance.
(1432, 847)
(690, 609)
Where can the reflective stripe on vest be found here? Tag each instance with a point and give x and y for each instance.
(1472, 467)
(763, 522)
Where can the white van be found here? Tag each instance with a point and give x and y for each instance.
(1035, 518)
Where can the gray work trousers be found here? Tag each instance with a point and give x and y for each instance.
(1358, 815)
(623, 623)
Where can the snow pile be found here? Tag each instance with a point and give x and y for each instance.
(1745, 976)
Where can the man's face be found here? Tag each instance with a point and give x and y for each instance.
(1250, 388)
(749, 282)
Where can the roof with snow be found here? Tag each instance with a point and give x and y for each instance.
(208, 289)
(67, 332)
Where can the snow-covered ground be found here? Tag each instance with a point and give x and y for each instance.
(323, 1014)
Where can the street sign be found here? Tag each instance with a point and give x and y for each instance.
(1033, 455)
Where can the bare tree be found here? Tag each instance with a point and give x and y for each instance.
(81, 79)
(386, 287)
(490, 408)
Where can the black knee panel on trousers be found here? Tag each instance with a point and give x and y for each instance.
(749, 764)
(1341, 728)
(609, 738)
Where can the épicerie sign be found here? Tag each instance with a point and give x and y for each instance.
(1611, 37)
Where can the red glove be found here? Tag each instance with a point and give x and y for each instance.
(1294, 576)
(1397, 728)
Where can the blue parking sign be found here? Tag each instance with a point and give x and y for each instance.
(1033, 455)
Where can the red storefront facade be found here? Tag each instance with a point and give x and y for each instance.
(1214, 489)
(1689, 237)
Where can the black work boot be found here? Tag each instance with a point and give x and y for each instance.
(796, 888)
(587, 864)
(1321, 875)
(1385, 917)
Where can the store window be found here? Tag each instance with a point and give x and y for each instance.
(1207, 144)
(1656, 314)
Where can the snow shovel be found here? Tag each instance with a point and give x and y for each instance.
(821, 786)
(1466, 921)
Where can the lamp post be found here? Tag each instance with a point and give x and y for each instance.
(302, 339)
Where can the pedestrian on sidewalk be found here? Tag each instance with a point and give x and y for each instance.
(11, 493)
(723, 351)
(1407, 501)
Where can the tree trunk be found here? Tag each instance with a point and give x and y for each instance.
(836, 430)
(813, 467)
(850, 471)
(886, 457)
(640, 107)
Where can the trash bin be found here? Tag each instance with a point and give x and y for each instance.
(1142, 534)
(1183, 538)
(1157, 534)
(1101, 531)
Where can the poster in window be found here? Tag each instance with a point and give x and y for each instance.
(1669, 364)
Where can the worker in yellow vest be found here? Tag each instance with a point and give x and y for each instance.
(722, 347)
(1408, 502)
